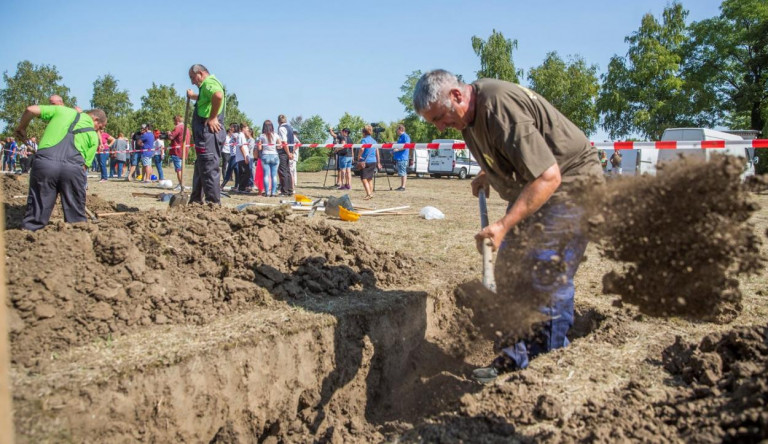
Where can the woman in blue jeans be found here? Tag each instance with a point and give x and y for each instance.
(268, 142)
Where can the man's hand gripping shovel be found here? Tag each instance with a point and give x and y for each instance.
(493, 314)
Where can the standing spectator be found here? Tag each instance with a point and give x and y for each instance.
(616, 163)
(105, 140)
(22, 156)
(147, 145)
(344, 159)
(69, 144)
(9, 154)
(285, 154)
(31, 150)
(295, 161)
(120, 148)
(229, 162)
(603, 158)
(176, 145)
(248, 134)
(268, 142)
(135, 169)
(209, 134)
(157, 157)
(400, 156)
(368, 162)
(240, 156)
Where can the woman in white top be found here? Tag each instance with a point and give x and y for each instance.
(268, 141)
(239, 151)
(245, 171)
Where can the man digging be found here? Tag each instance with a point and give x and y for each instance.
(533, 156)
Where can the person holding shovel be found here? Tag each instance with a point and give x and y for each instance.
(68, 144)
(534, 157)
(209, 134)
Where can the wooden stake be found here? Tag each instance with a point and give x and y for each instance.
(6, 412)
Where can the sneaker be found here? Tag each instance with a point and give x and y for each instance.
(399, 189)
(347, 187)
(178, 188)
(103, 180)
(502, 364)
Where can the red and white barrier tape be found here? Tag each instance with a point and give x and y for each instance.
(670, 145)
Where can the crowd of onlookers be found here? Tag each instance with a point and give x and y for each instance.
(19, 153)
(264, 163)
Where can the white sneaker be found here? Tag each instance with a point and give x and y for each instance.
(178, 188)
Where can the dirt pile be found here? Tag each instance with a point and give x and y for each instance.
(726, 393)
(72, 283)
(684, 237)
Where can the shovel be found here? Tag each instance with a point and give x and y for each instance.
(182, 198)
(489, 281)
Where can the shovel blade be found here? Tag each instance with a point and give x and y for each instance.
(178, 199)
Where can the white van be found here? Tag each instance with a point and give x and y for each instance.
(647, 159)
(418, 161)
(450, 162)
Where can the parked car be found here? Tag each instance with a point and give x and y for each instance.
(450, 162)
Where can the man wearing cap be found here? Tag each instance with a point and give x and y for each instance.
(209, 134)
(67, 146)
(536, 159)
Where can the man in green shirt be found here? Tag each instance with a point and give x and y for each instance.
(536, 159)
(68, 144)
(208, 132)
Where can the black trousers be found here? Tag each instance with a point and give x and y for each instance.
(58, 171)
(208, 145)
(284, 174)
(243, 174)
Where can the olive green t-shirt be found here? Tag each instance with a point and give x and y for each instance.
(208, 88)
(59, 119)
(516, 135)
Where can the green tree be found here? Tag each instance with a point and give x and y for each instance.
(647, 92)
(729, 55)
(115, 103)
(158, 107)
(30, 85)
(355, 125)
(571, 87)
(496, 57)
(233, 113)
(311, 130)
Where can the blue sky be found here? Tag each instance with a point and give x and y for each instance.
(304, 57)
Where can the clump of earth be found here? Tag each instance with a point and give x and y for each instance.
(683, 236)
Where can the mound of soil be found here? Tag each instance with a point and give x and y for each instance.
(684, 237)
(726, 396)
(72, 283)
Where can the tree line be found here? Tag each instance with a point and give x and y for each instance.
(674, 74)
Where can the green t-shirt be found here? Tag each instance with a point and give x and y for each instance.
(59, 118)
(208, 88)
